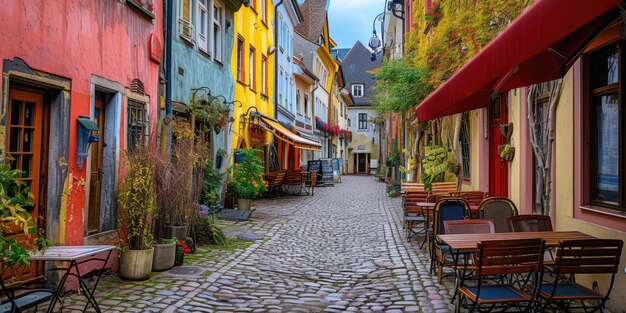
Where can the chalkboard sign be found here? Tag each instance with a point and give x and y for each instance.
(315, 166)
(327, 171)
(337, 162)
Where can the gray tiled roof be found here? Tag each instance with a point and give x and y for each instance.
(356, 66)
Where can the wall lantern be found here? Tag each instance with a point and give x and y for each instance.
(86, 127)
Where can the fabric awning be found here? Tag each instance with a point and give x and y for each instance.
(540, 45)
(286, 135)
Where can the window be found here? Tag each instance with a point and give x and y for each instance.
(606, 137)
(306, 105)
(352, 66)
(263, 12)
(298, 102)
(240, 73)
(252, 70)
(217, 49)
(280, 86)
(203, 25)
(253, 4)
(185, 26)
(362, 120)
(264, 75)
(137, 124)
(465, 144)
(357, 90)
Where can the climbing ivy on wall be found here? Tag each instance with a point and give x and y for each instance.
(462, 28)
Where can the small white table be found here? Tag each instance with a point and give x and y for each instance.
(75, 255)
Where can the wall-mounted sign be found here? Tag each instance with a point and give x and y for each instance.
(360, 147)
(155, 48)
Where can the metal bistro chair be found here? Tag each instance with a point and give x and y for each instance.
(499, 210)
(18, 296)
(519, 261)
(599, 257)
(446, 209)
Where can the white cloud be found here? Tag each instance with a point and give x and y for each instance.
(351, 20)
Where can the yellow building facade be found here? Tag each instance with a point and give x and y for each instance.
(252, 66)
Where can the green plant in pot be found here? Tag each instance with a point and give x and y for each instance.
(179, 181)
(434, 166)
(136, 202)
(246, 180)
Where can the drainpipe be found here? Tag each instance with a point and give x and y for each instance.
(168, 57)
(276, 82)
(317, 84)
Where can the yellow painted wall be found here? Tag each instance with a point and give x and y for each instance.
(564, 192)
(260, 35)
(515, 167)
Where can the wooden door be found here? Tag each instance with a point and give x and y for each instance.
(498, 170)
(362, 163)
(95, 183)
(26, 147)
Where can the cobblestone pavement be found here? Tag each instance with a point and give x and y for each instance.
(341, 250)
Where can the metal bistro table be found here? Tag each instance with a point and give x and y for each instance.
(75, 255)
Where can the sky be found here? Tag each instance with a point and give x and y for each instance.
(351, 20)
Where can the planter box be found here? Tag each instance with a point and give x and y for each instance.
(164, 256)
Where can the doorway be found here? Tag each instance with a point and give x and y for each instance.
(27, 147)
(498, 170)
(96, 168)
(360, 163)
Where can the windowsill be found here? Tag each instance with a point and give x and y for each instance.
(204, 53)
(218, 62)
(264, 96)
(264, 23)
(252, 89)
(602, 210)
(187, 40)
(241, 82)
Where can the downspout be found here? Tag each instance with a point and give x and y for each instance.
(276, 82)
(317, 84)
(168, 57)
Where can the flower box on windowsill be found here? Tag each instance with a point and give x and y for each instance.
(143, 6)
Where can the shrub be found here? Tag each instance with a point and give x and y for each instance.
(247, 176)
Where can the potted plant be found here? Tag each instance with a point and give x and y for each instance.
(164, 255)
(136, 202)
(179, 182)
(247, 179)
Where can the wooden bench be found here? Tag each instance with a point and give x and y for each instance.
(275, 182)
(406, 187)
(444, 187)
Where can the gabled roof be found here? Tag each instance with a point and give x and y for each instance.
(314, 16)
(356, 67)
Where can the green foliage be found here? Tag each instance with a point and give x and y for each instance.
(211, 186)
(211, 110)
(399, 86)
(14, 217)
(247, 177)
(434, 166)
(136, 200)
(208, 233)
(451, 26)
(395, 155)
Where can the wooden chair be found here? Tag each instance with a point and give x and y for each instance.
(469, 227)
(519, 261)
(408, 187)
(274, 187)
(311, 181)
(446, 209)
(472, 197)
(499, 210)
(444, 187)
(529, 222)
(599, 257)
(414, 218)
(294, 183)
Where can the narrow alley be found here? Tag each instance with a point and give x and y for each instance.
(342, 249)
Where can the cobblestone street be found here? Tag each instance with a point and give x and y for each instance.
(341, 250)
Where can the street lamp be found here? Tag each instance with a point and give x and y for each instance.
(375, 42)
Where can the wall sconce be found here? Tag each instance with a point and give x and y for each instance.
(86, 127)
(493, 25)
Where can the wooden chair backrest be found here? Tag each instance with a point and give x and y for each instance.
(313, 180)
(501, 257)
(469, 227)
(591, 256)
(293, 178)
(407, 187)
(444, 187)
(448, 209)
(280, 178)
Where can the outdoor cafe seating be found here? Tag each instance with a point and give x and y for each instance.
(508, 271)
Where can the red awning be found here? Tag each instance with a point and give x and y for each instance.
(540, 45)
